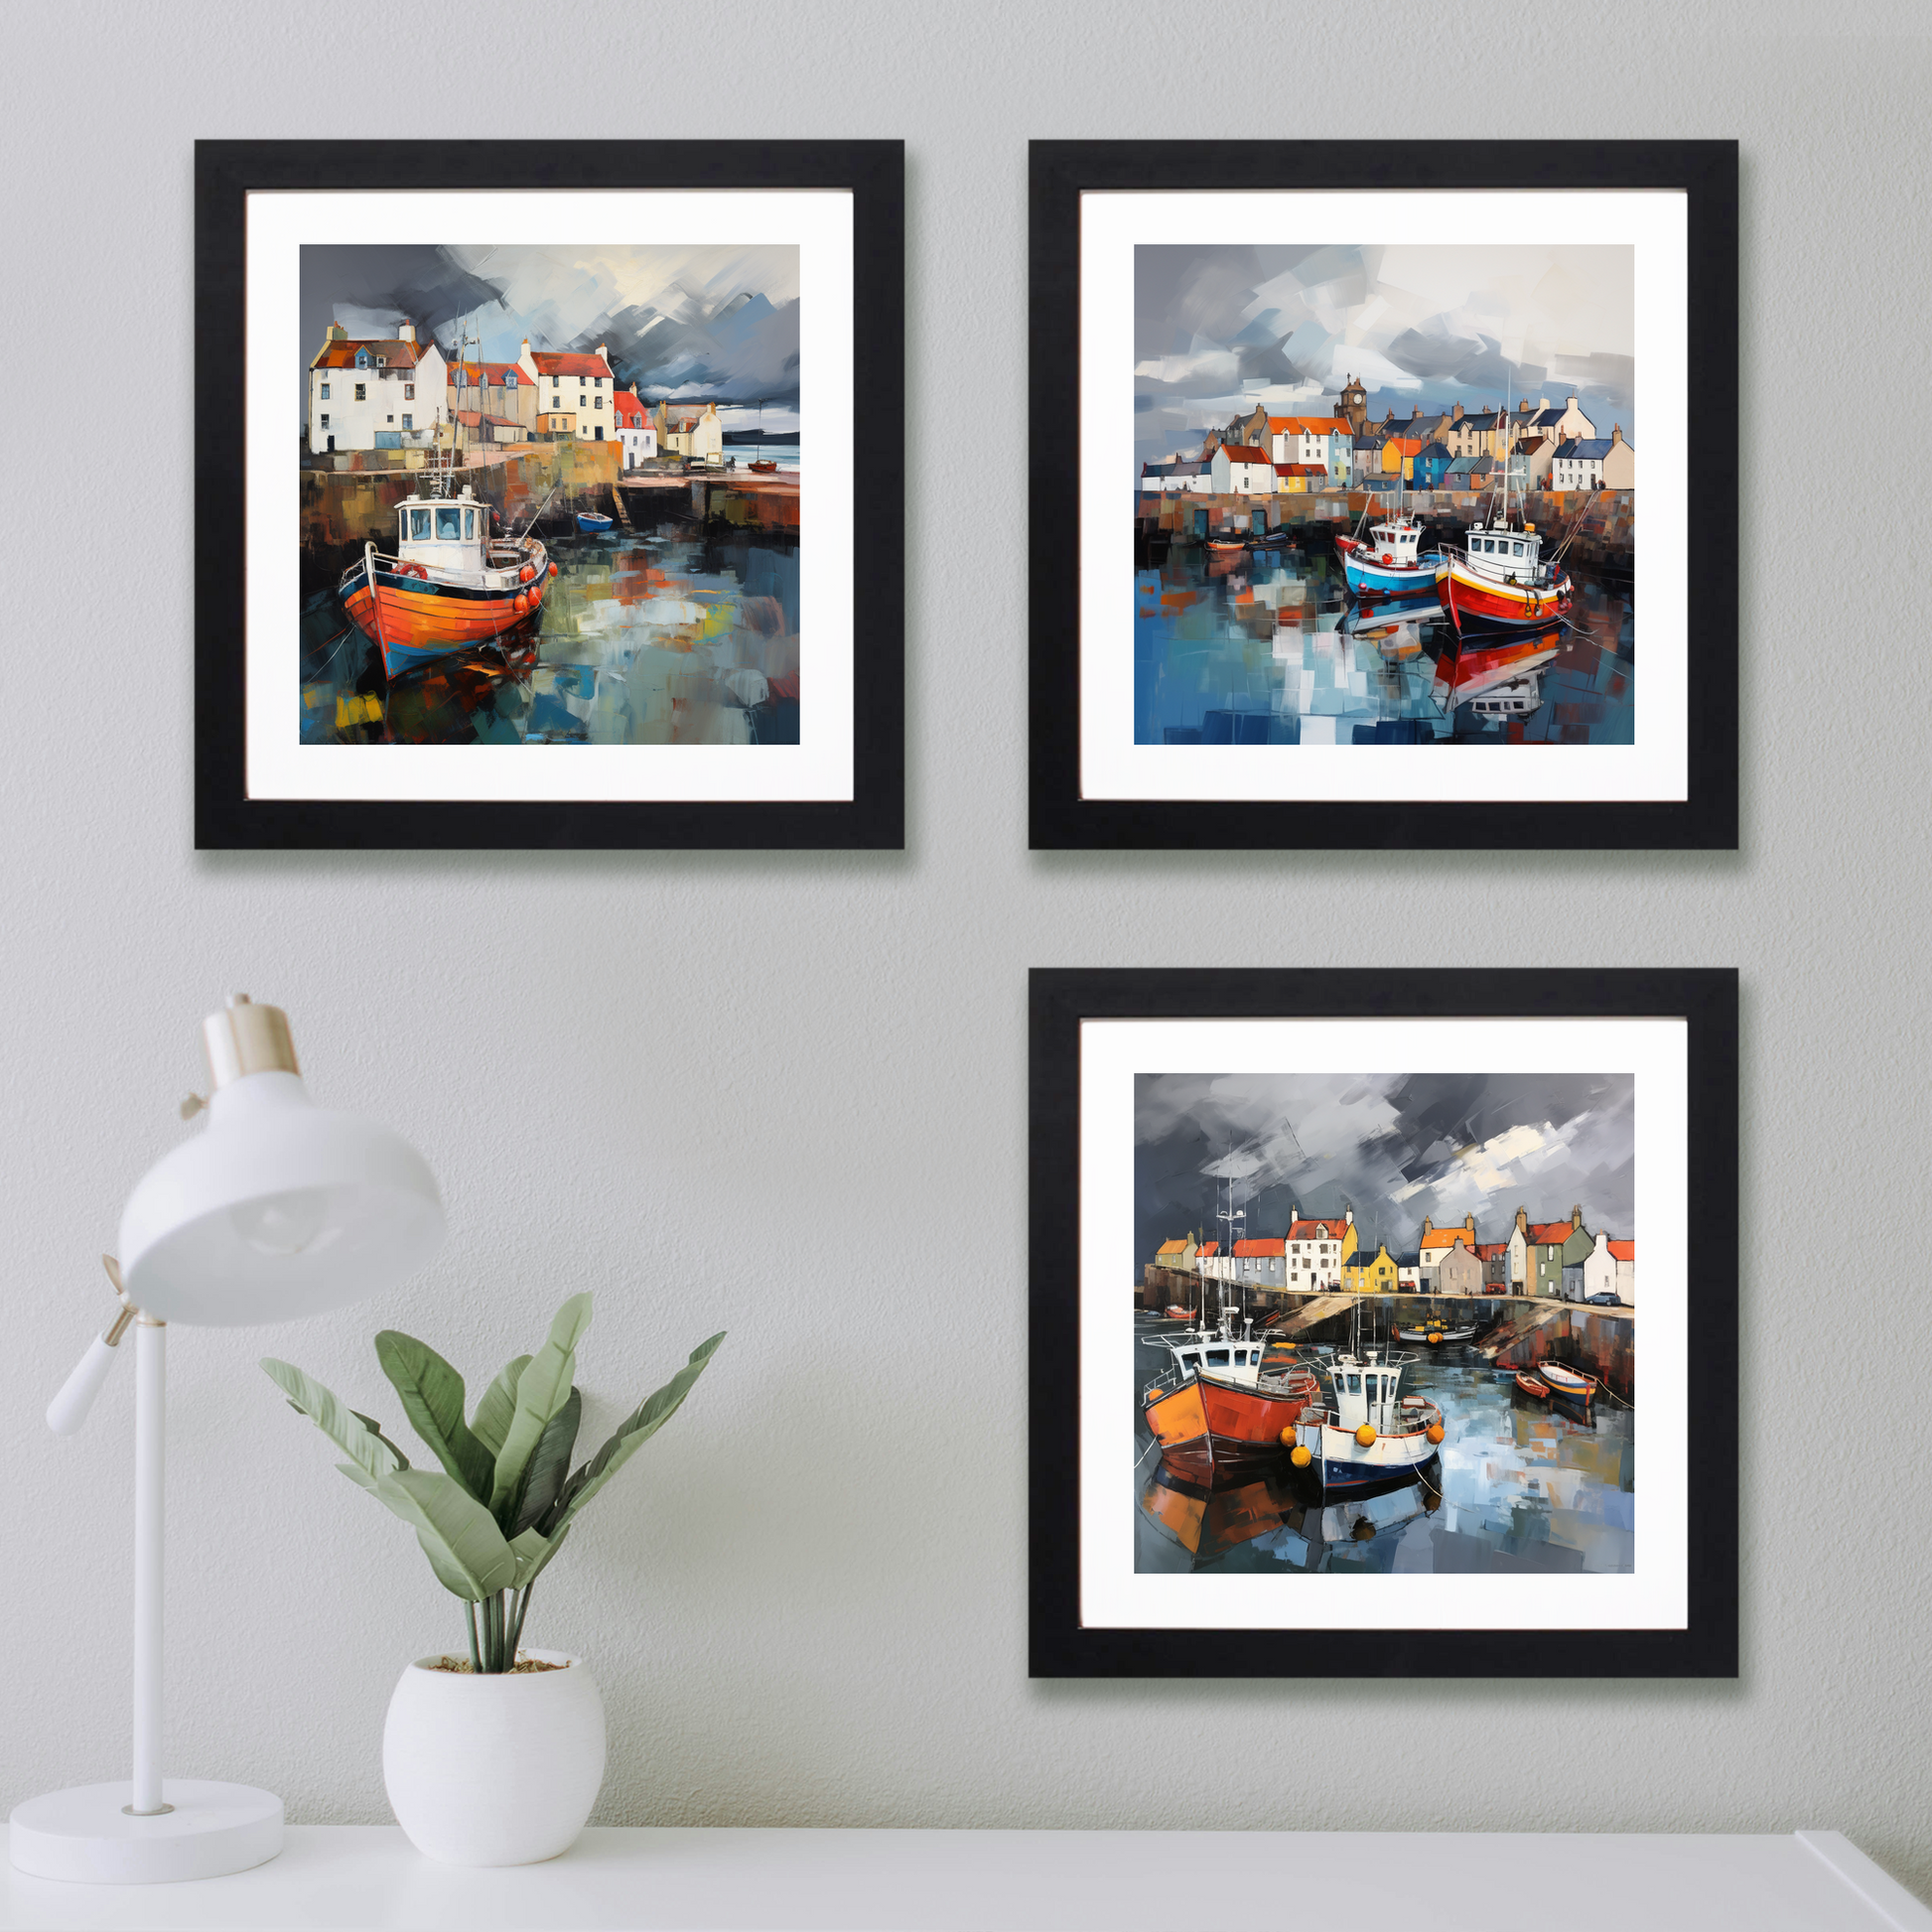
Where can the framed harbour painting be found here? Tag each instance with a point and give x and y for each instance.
(1384, 1323)
(549, 494)
(1340, 462)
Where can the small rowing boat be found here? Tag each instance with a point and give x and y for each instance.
(1530, 1385)
(590, 520)
(1569, 1382)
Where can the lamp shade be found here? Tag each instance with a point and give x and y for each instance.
(278, 1208)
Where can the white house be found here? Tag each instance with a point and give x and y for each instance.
(634, 428)
(1180, 473)
(1241, 470)
(1519, 1253)
(581, 388)
(695, 434)
(1624, 1254)
(1600, 1268)
(380, 394)
(1316, 1250)
(1326, 440)
(1579, 463)
(1260, 1264)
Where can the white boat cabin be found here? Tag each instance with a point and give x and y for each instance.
(1223, 1358)
(447, 534)
(1366, 1391)
(1395, 542)
(1508, 556)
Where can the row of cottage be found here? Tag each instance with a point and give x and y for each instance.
(1561, 1259)
(401, 393)
(1259, 455)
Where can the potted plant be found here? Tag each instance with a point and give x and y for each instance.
(494, 1758)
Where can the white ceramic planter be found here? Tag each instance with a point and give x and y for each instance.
(493, 1771)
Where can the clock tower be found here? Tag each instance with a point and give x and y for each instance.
(1355, 405)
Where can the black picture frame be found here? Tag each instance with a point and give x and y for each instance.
(1059, 817)
(1060, 1000)
(225, 172)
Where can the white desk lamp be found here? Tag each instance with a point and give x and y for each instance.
(278, 1209)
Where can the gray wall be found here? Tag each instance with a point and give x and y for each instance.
(786, 1094)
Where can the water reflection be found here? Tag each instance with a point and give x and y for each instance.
(1517, 1487)
(1264, 646)
(658, 640)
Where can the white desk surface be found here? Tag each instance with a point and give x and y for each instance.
(366, 1879)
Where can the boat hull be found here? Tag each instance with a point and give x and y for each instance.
(1205, 1428)
(589, 520)
(1484, 600)
(416, 620)
(1367, 578)
(1347, 1464)
(1574, 1388)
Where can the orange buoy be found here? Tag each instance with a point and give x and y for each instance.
(553, 570)
(1366, 1434)
(1154, 1394)
(521, 604)
(1434, 1432)
(1300, 1456)
(1288, 1437)
(525, 575)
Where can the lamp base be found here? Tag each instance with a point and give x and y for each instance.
(85, 1836)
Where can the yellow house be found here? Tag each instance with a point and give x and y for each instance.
(1399, 455)
(1369, 1273)
(1177, 1255)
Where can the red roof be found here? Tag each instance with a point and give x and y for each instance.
(1492, 1250)
(486, 374)
(1309, 426)
(1316, 1230)
(1551, 1234)
(1258, 1248)
(549, 364)
(395, 355)
(1623, 1250)
(471, 417)
(1244, 453)
(1208, 1248)
(1300, 469)
(630, 412)
(1448, 1237)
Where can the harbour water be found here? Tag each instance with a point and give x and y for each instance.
(1265, 647)
(669, 637)
(1519, 1486)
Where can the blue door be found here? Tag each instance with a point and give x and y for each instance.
(388, 439)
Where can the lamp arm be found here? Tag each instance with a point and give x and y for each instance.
(68, 1409)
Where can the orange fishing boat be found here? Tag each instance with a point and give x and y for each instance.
(1217, 1412)
(450, 585)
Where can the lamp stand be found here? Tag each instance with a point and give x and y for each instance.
(146, 1829)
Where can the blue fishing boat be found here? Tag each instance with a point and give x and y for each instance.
(590, 520)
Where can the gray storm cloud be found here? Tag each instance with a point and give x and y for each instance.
(1393, 1147)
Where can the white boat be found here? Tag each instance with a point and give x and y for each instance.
(1367, 1432)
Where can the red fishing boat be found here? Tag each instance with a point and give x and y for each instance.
(449, 586)
(1217, 1412)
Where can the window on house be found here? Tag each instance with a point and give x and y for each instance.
(362, 358)
(409, 422)
(324, 419)
(388, 419)
(362, 392)
(409, 392)
(324, 392)
(509, 380)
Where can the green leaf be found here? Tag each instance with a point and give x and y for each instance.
(532, 1549)
(631, 1434)
(432, 1398)
(541, 1391)
(334, 1418)
(549, 1464)
(491, 1421)
(458, 1535)
(376, 1429)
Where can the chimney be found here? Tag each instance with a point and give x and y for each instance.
(1576, 1216)
(1348, 1216)
(405, 331)
(1569, 401)
(1469, 1222)
(1459, 412)
(334, 333)
(1542, 402)
(526, 344)
(1616, 432)
(1428, 1227)
(1522, 1219)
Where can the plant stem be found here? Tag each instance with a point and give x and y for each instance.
(516, 1629)
(475, 1661)
(493, 1633)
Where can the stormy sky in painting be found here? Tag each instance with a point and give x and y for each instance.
(1395, 1147)
(1218, 329)
(704, 322)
